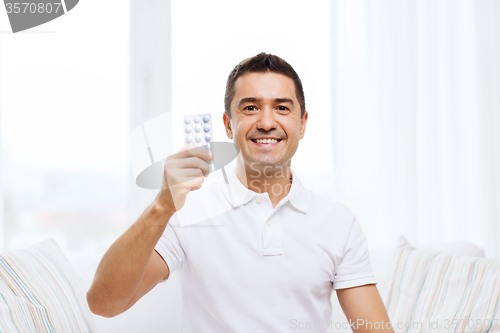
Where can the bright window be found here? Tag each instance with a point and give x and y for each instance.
(64, 127)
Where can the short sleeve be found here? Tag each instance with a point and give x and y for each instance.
(169, 247)
(354, 268)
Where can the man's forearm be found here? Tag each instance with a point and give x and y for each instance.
(122, 268)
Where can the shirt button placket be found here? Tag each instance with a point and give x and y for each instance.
(271, 236)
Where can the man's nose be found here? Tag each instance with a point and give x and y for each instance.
(267, 120)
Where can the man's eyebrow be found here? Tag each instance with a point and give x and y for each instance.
(283, 100)
(249, 100)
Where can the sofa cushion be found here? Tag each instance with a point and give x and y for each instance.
(40, 292)
(457, 248)
(435, 291)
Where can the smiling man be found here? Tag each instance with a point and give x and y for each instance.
(271, 260)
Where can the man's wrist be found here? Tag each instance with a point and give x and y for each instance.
(156, 216)
(162, 208)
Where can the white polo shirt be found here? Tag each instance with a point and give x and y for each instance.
(246, 267)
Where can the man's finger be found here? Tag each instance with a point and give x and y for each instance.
(204, 154)
(194, 162)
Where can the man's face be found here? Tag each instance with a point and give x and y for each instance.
(265, 119)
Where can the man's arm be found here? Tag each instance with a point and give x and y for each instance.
(131, 267)
(364, 308)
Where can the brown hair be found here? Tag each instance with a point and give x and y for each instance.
(263, 62)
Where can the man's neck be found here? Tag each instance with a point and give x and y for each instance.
(275, 180)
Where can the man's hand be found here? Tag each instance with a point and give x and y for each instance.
(183, 172)
(364, 308)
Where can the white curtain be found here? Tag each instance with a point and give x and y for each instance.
(416, 118)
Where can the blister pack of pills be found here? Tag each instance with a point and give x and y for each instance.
(198, 130)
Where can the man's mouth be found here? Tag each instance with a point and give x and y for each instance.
(266, 141)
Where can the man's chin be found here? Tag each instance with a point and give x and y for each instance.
(259, 163)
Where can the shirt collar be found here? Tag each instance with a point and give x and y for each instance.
(299, 196)
(238, 194)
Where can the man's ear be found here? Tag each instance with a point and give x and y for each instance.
(303, 123)
(227, 125)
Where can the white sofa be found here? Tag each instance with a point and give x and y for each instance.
(159, 310)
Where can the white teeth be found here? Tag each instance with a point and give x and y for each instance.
(266, 141)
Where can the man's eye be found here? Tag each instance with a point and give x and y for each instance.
(250, 108)
(283, 108)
